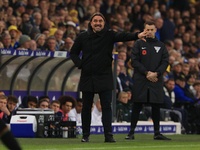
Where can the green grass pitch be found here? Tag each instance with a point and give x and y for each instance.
(141, 142)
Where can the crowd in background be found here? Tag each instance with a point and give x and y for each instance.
(53, 25)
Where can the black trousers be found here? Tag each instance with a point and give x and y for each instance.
(105, 99)
(155, 116)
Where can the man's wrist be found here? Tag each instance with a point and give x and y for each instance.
(158, 73)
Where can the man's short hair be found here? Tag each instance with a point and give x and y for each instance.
(186, 65)
(170, 79)
(79, 100)
(149, 23)
(13, 98)
(32, 99)
(24, 14)
(56, 101)
(2, 93)
(4, 35)
(3, 97)
(43, 97)
(97, 14)
(40, 101)
(66, 98)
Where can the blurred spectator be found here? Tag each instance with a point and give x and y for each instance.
(51, 44)
(178, 44)
(159, 24)
(168, 45)
(2, 26)
(185, 69)
(37, 18)
(186, 50)
(97, 113)
(52, 7)
(58, 36)
(123, 108)
(46, 33)
(70, 26)
(186, 37)
(176, 70)
(194, 69)
(14, 33)
(194, 50)
(196, 87)
(82, 7)
(43, 104)
(12, 21)
(122, 55)
(2, 93)
(107, 8)
(33, 45)
(6, 41)
(28, 102)
(11, 105)
(34, 31)
(181, 93)
(20, 9)
(167, 30)
(44, 97)
(75, 113)
(26, 24)
(24, 42)
(67, 45)
(4, 112)
(55, 105)
(71, 34)
(62, 26)
(66, 104)
(169, 100)
(40, 41)
(9, 11)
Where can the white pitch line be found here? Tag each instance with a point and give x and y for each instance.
(141, 147)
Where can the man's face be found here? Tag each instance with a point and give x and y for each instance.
(129, 95)
(151, 30)
(38, 20)
(41, 40)
(3, 103)
(197, 88)
(51, 44)
(44, 105)
(185, 70)
(25, 18)
(97, 23)
(13, 34)
(180, 83)
(122, 56)
(26, 45)
(55, 107)
(67, 107)
(52, 6)
(11, 105)
(79, 107)
(178, 68)
(58, 35)
(159, 23)
(46, 33)
(170, 85)
(68, 43)
(31, 105)
(124, 99)
(6, 41)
